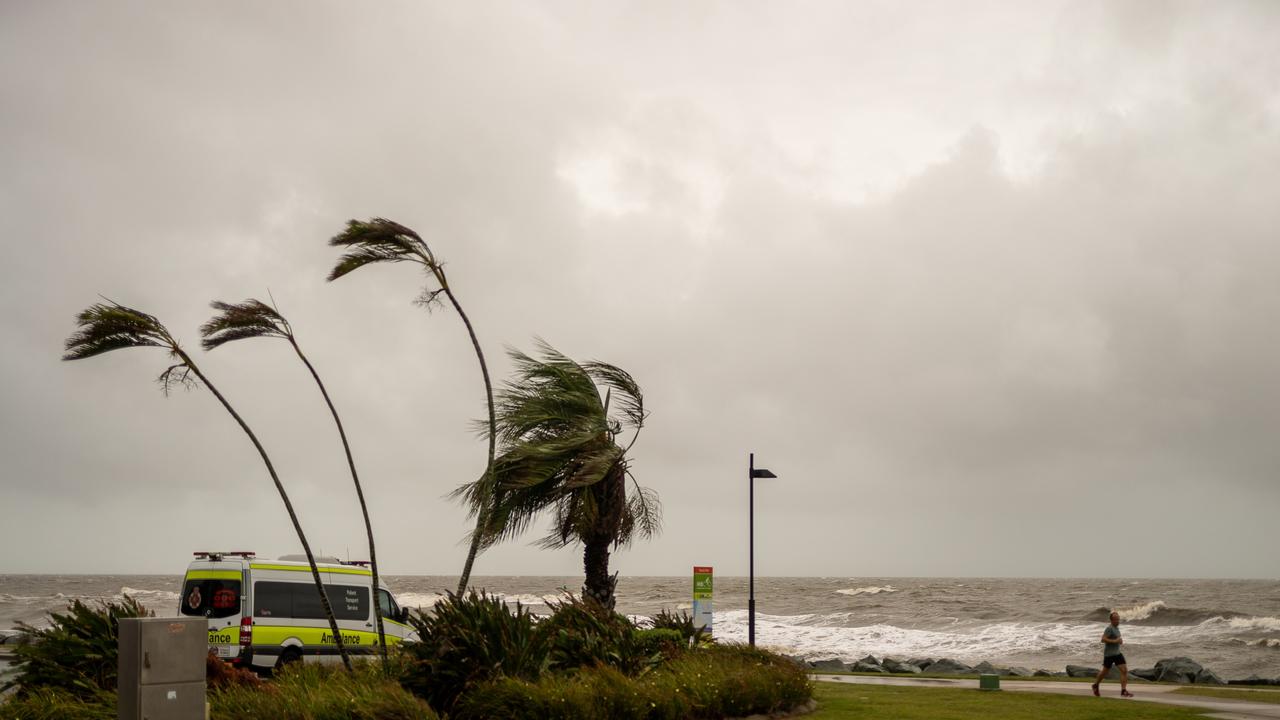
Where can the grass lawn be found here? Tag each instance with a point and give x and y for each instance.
(1264, 695)
(886, 702)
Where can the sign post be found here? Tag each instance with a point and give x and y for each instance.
(702, 586)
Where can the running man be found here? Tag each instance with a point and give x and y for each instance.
(1111, 655)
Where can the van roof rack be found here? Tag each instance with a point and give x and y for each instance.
(216, 555)
(357, 563)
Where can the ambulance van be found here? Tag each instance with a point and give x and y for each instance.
(265, 613)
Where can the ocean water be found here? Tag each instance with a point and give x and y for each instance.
(1230, 626)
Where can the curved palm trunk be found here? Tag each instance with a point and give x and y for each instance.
(482, 517)
(598, 585)
(306, 547)
(364, 509)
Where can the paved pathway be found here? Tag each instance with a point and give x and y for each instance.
(1213, 707)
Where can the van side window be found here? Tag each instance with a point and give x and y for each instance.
(387, 605)
(300, 601)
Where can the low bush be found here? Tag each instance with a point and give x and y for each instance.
(77, 654)
(709, 682)
(304, 691)
(470, 639)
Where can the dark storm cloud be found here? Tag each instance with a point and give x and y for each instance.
(962, 279)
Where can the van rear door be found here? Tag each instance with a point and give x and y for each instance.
(216, 594)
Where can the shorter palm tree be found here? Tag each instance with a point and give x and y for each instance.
(560, 453)
(253, 319)
(108, 326)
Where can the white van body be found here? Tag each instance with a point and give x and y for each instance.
(264, 613)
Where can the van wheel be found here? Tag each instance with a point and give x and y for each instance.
(288, 657)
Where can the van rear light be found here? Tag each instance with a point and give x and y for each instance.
(246, 632)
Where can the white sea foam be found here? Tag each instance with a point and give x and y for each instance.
(869, 590)
(527, 599)
(815, 636)
(150, 595)
(1254, 623)
(418, 600)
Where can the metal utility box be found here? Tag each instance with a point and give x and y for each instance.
(162, 668)
(988, 682)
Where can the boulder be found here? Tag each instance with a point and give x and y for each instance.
(829, 665)
(870, 660)
(1042, 673)
(1208, 677)
(894, 666)
(1080, 671)
(947, 666)
(1144, 673)
(984, 668)
(863, 666)
(1018, 672)
(1181, 670)
(920, 662)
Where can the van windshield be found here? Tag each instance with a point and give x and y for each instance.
(211, 597)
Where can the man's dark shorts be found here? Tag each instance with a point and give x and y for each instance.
(1109, 660)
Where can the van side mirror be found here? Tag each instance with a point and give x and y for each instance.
(403, 615)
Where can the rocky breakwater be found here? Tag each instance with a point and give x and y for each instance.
(1181, 670)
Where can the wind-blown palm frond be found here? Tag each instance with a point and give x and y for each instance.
(377, 240)
(560, 456)
(249, 319)
(108, 326)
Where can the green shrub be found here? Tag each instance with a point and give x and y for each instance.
(663, 642)
(682, 623)
(735, 681)
(77, 653)
(56, 704)
(708, 682)
(582, 633)
(589, 694)
(303, 691)
(469, 639)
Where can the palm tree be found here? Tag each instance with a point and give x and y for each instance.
(381, 240)
(254, 318)
(108, 326)
(560, 453)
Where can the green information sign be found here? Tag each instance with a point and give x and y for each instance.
(702, 586)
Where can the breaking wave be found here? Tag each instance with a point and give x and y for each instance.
(869, 590)
(1157, 612)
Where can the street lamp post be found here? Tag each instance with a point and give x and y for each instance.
(752, 474)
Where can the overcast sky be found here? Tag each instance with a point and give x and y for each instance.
(994, 288)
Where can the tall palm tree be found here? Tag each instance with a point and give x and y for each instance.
(381, 240)
(108, 326)
(561, 453)
(252, 319)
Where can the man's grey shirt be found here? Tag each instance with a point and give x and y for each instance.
(1111, 648)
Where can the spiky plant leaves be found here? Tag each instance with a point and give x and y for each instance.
(76, 653)
(468, 639)
(249, 319)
